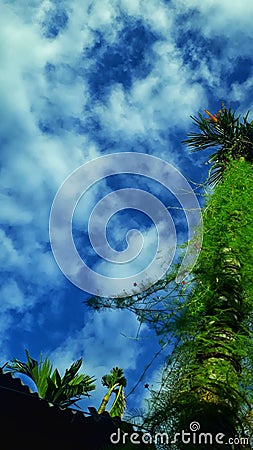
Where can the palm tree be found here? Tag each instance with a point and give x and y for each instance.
(231, 138)
(115, 381)
(63, 391)
(208, 380)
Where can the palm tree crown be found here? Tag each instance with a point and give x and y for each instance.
(224, 131)
(115, 381)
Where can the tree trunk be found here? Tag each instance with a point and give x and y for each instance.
(215, 375)
(207, 393)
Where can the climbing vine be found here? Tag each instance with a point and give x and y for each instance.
(209, 378)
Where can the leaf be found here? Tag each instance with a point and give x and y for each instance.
(56, 378)
(231, 138)
(119, 404)
(116, 376)
(64, 391)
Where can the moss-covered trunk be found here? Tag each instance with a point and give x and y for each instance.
(211, 384)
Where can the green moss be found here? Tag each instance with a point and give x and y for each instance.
(212, 364)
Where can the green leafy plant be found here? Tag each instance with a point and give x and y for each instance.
(231, 137)
(208, 378)
(115, 381)
(63, 390)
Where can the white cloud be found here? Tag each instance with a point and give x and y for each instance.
(164, 98)
(34, 165)
(221, 17)
(12, 297)
(9, 256)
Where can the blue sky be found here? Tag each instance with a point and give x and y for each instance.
(83, 79)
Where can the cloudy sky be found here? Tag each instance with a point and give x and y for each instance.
(85, 79)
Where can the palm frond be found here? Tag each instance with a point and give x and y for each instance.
(115, 377)
(119, 404)
(224, 132)
(63, 391)
(115, 381)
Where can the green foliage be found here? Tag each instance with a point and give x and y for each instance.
(228, 228)
(228, 135)
(114, 378)
(118, 407)
(115, 381)
(63, 391)
(209, 376)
